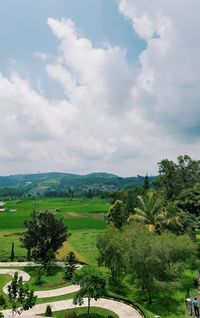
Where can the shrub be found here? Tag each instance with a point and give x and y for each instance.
(2, 301)
(48, 312)
(70, 314)
(39, 272)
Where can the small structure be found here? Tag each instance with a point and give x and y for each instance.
(2, 207)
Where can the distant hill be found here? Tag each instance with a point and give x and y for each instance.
(39, 183)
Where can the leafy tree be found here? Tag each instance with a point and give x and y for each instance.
(44, 236)
(20, 297)
(146, 182)
(175, 177)
(92, 284)
(111, 254)
(157, 261)
(70, 265)
(168, 179)
(116, 214)
(189, 200)
(12, 256)
(131, 200)
(178, 221)
(39, 272)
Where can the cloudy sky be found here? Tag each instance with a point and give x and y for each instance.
(98, 85)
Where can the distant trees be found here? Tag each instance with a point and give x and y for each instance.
(92, 284)
(20, 297)
(44, 235)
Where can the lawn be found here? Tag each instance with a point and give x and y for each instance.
(53, 281)
(82, 313)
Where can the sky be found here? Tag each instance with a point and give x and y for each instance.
(98, 85)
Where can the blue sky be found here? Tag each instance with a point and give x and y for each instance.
(85, 85)
(24, 31)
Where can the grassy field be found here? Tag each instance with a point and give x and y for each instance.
(82, 313)
(84, 218)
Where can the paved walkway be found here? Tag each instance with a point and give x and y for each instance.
(11, 272)
(121, 309)
(25, 264)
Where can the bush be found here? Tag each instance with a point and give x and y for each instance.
(48, 312)
(70, 314)
(39, 272)
(2, 301)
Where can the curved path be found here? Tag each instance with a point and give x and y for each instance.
(121, 309)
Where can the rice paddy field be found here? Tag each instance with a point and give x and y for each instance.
(84, 218)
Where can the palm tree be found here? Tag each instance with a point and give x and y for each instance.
(150, 212)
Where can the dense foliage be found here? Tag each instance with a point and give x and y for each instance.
(154, 261)
(44, 236)
(92, 285)
(20, 297)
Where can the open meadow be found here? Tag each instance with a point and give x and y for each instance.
(84, 218)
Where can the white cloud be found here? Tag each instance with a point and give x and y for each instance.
(114, 118)
(168, 86)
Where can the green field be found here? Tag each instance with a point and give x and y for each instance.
(84, 218)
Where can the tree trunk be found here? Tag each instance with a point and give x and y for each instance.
(88, 306)
(149, 296)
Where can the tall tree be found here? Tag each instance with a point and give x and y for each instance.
(92, 284)
(116, 214)
(12, 256)
(189, 200)
(111, 254)
(44, 236)
(20, 297)
(174, 177)
(70, 265)
(146, 182)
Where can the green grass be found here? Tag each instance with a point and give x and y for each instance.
(4, 279)
(83, 243)
(65, 205)
(82, 313)
(53, 281)
(171, 306)
(82, 216)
